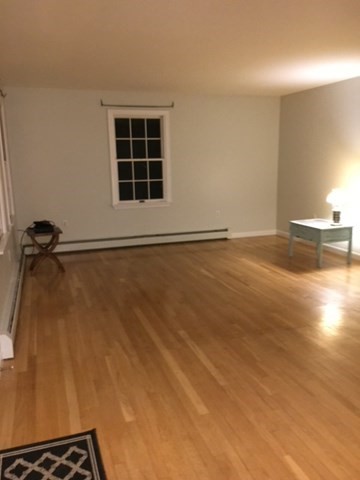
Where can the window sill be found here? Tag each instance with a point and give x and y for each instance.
(148, 204)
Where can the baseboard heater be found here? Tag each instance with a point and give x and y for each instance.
(143, 239)
(7, 337)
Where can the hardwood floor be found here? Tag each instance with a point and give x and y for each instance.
(210, 361)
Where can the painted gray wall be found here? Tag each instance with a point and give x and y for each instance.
(319, 149)
(224, 154)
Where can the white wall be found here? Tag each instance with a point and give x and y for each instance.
(224, 153)
(320, 150)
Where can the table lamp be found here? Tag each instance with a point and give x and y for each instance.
(336, 198)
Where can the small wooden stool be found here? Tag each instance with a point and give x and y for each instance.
(45, 249)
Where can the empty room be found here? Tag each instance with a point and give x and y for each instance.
(179, 239)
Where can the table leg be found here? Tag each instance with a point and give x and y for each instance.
(40, 257)
(46, 251)
(319, 253)
(349, 251)
(290, 247)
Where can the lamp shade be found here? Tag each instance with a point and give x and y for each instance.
(336, 198)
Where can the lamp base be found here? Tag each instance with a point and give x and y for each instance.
(336, 217)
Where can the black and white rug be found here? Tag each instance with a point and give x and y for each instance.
(76, 457)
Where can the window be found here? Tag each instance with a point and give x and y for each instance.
(6, 199)
(139, 152)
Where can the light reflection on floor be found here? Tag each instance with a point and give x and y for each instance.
(331, 319)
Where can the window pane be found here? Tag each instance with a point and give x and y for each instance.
(122, 127)
(156, 190)
(140, 169)
(125, 170)
(126, 191)
(138, 128)
(139, 149)
(141, 191)
(123, 149)
(155, 170)
(153, 127)
(154, 149)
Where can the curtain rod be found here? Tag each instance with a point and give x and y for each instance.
(171, 105)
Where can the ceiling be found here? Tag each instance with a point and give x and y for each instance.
(227, 47)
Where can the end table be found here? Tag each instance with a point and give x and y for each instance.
(45, 249)
(320, 231)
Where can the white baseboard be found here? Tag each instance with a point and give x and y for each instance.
(11, 314)
(99, 244)
(256, 233)
(156, 239)
(137, 240)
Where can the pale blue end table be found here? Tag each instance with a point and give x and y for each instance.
(320, 231)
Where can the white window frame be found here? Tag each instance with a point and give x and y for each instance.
(7, 210)
(140, 113)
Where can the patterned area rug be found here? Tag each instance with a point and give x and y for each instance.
(76, 457)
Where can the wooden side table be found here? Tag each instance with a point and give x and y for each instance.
(320, 231)
(45, 249)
